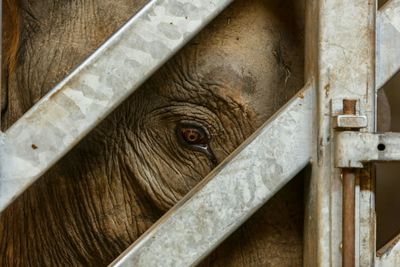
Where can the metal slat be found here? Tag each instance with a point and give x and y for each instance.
(230, 194)
(387, 65)
(63, 117)
(76, 105)
(389, 255)
(388, 40)
(340, 57)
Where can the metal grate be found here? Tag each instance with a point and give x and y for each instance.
(340, 65)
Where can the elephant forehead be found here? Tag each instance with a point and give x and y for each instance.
(249, 55)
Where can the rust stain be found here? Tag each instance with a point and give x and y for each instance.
(349, 106)
(327, 89)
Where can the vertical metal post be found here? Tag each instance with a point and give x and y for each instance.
(340, 45)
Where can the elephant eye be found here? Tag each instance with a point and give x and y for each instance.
(195, 136)
(192, 135)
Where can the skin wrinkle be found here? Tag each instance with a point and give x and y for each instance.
(183, 111)
(122, 177)
(236, 133)
(146, 184)
(166, 194)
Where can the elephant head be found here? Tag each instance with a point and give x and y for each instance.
(158, 144)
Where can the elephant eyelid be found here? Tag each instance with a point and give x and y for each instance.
(196, 137)
(192, 134)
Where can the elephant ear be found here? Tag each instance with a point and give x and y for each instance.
(384, 117)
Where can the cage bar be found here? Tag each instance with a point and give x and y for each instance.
(340, 65)
(226, 198)
(76, 105)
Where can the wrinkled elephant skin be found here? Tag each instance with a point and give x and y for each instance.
(160, 142)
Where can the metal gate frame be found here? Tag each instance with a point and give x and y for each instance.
(347, 59)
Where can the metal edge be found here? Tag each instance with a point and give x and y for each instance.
(77, 104)
(231, 193)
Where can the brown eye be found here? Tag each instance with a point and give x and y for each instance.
(193, 135)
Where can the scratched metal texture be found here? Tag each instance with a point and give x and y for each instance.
(353, 149)
(76, 105)
(387, 65)
(340, 51)
(231, 193)
(389, 255)
(63, 117)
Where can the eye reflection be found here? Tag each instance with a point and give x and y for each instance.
(195, 137)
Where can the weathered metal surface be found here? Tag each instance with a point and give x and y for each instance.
(388, 40)
(350, 121)
(339, 67)
(389, 255)
(231, 193)
(48, 131)
(340, 47)
(354, 148)
(65, 115)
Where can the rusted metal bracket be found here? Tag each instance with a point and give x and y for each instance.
(356, 148)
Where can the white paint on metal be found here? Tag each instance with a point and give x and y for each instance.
(231, 193)
(353, 149)
(388, 40)
(76, 105)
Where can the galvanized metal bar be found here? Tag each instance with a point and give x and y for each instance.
(389, 255)
(97, 86)
(354, 149)
(388, 40)
(230, 194)
(340, 56)
(387, 65)
(76, 105)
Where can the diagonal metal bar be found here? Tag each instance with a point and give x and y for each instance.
(388, 40)
(76, 105)
(232, 193)
(387, 65)
(63, 117)
(389, 255)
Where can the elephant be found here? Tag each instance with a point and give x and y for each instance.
(164, 139)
